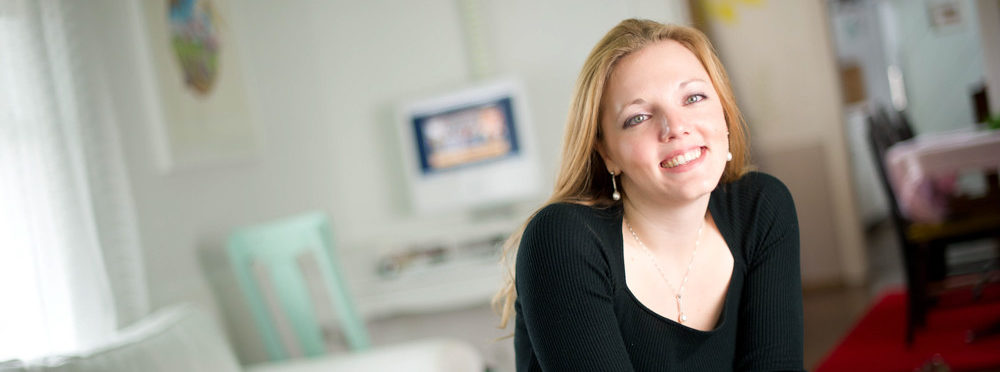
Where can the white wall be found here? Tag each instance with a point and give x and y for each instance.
(857, 34)
(988, 13)
(857, 30)
(323, 78)
(940, 65)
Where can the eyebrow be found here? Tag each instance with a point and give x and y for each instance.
(637, 101)
(634, 102)
(695, 80)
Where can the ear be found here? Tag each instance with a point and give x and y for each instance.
(608, 163)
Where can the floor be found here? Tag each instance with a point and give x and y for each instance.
(829, 314)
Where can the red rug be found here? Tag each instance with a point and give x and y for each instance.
(876, 342)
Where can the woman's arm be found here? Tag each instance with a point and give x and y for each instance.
(770, 321)
(565, 292)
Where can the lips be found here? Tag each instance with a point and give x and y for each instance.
(682, 158)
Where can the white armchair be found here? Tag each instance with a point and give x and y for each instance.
(185, 338)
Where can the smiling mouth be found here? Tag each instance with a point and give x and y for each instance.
(681, 159)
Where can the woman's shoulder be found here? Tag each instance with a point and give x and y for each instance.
(756, 186)
(760, 182)
(569, 221)
(566, 213)
(755, 196)
(757, 208)
(562, 233)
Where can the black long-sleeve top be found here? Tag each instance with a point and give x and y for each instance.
(575, 313)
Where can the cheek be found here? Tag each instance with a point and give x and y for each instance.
(638, 152)
(718, 126)
(719, 117)
(629, 151)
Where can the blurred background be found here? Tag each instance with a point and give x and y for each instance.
(139, 135)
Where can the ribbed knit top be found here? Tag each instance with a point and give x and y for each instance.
(575, 312)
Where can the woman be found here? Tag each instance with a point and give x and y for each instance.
(658, 250)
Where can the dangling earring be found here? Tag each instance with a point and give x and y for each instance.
(615, 195)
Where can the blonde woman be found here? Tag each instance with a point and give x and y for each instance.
(658, 249)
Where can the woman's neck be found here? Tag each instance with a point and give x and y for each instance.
(667, 226)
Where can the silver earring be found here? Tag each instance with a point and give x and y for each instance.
(615, 195)
(729, 156)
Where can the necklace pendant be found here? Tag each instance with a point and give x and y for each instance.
(681, 317)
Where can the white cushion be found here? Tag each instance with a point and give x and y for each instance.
(178, 338)
(184, 338)
(428, 355)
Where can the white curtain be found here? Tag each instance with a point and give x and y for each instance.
(70, 264)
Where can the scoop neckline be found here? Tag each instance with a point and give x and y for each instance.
(723, 315)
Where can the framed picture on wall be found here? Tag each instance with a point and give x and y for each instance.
(945, 15)
(203, 116)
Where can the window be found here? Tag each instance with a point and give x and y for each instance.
(54, 288)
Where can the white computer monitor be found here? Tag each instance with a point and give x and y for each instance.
(469, 149)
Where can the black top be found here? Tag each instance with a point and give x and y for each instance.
(575, 313)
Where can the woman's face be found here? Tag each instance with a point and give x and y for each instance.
(663, 125)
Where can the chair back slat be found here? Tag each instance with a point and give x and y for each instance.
(883, 134)
(278, 249)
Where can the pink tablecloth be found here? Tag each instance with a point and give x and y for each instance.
(923, 170)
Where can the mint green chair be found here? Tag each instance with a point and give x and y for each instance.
(269, 260)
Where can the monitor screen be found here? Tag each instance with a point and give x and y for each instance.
(466, 136)
(468, 148)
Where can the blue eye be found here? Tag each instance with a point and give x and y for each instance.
(694, 98)
(636, 120)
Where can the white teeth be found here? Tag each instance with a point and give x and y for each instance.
(681, 159)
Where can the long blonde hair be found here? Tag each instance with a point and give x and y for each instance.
(583, 178)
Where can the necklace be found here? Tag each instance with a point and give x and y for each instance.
(681, 317)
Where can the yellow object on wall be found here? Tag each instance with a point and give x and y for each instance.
(727, 11)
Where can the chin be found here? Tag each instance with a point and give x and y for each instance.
(695, 189)
(710, 180)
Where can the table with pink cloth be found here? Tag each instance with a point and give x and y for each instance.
(923, 169)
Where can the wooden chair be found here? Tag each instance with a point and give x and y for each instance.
(923, 245)
(271, 262)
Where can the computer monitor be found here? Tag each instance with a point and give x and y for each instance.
(469, 149)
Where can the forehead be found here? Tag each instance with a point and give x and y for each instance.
(658, 63)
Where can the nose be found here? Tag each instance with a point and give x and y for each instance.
(672, 126)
